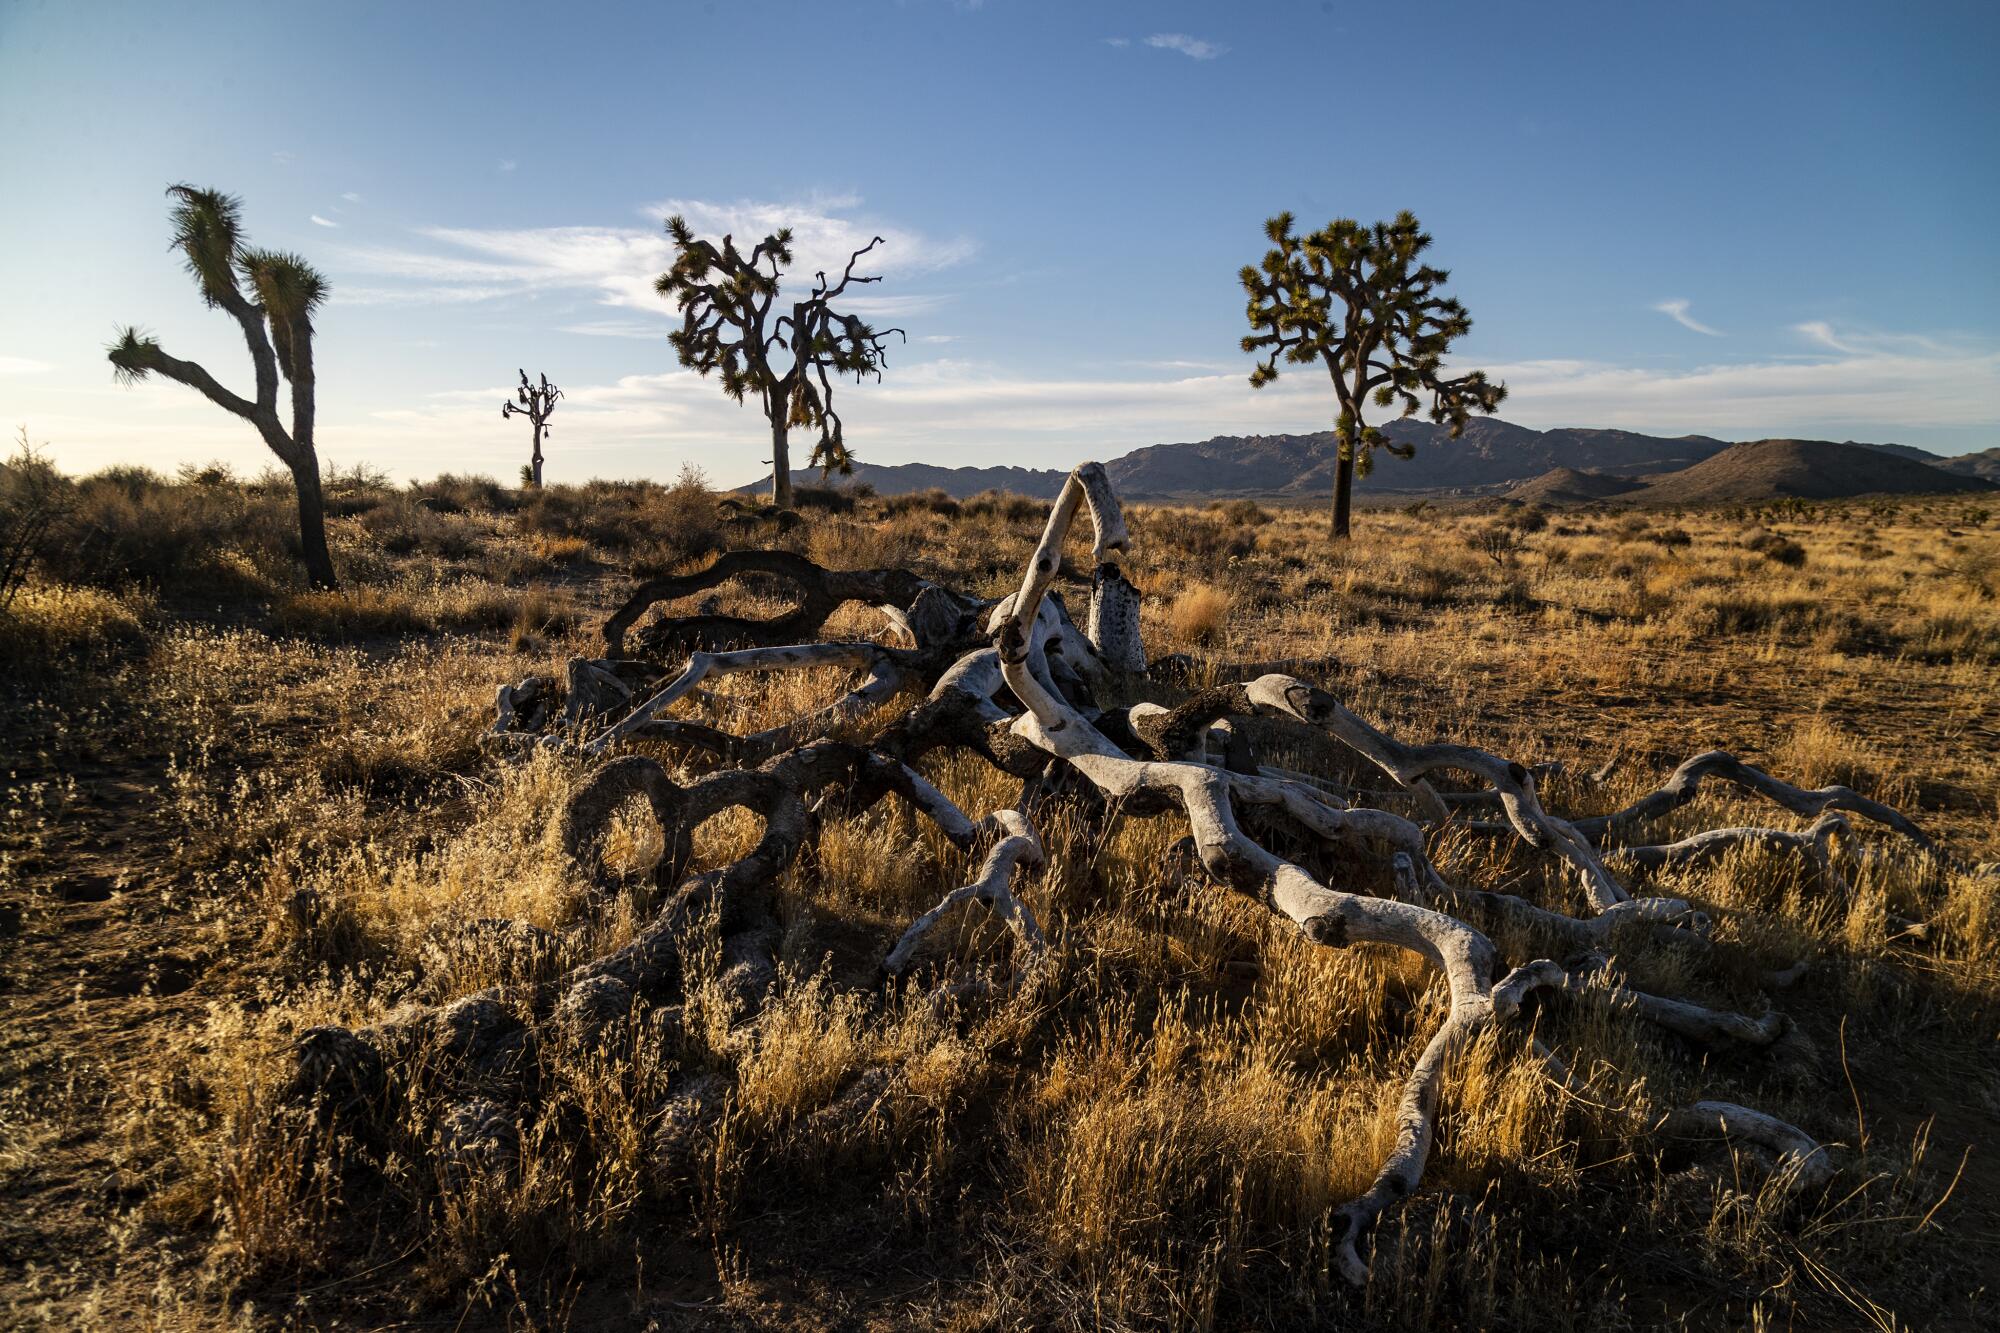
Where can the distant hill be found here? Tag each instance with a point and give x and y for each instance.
(1567, 486)
(1985, 463)
(1492, 457)
(1806, 469)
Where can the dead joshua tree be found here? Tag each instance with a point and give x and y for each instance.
(277, 327)
(536, 402)
(1013, 682)
(731, 322)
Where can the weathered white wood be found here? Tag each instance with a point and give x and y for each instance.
(1018, 846)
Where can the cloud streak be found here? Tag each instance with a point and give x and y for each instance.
(619, 264)
(1677, 311)
(319, 221)
(1194, 48)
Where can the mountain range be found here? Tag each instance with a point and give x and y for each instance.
(1492, 457)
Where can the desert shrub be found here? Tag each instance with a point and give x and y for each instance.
(35, 498)
(1241, 512)
(1499, 541)
(352, 490)
(453, 493)
(1673, 539)
(402, 524)
(51, 626)
(1526, 519)
(1778, 549)
(207, 474)
(936, 500)
(1199, 615)
(1431, 582)
(680, 520)
(359, 611)
(1632, 528)
(823, 499)
(130, 526)
(1006, 506)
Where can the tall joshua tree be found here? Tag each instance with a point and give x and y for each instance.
(790, 362)
(1356, 299)
(536, 402)
(277, 327)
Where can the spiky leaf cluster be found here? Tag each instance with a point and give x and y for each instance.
(1358, 300)
(789, 360)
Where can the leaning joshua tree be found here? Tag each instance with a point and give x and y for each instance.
(1356, 300)
(277, 326)
(1014, 683)
(789, 361)
(536, 402)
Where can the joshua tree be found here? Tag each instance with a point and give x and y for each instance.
(726, 300)
(537, 403)
(277, 326)
(1355, 299)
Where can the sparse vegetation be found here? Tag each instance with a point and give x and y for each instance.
(1155, 1136)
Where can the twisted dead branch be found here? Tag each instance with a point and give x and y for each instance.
(1033, 695)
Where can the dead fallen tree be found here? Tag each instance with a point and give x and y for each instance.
(1019, 684)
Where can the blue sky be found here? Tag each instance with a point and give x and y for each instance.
(1740, 219)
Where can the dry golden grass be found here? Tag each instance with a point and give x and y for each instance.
(1154, 1136)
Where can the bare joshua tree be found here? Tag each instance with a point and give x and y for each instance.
(726, 300)
(1355, 299)
(536, 402)
(277, 328)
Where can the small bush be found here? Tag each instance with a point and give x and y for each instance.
(355, 612)
(49, 627)
(35, 498)
(1006, 506)
(936, 500)
(1778, 549)
(1241, 512)
(1673, 539)
(679, 520)
(403, 524)
(1200, 615)
(451, 493)
(129, 526)
(823, 499)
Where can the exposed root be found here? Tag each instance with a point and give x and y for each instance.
(1035, 697)
(991, 887)
(821, 592)
(1685, 784)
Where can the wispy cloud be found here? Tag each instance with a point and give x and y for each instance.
(1117, 41)
(1195, 48)
(351, 197)
(508, 164)
(1677, 311)
(619, 328)
(319, 221)
(23, 365)
(619, 264)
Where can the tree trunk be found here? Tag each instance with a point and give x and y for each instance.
(312, 525)
(781, 465)
(1343, 491)
(535, 466)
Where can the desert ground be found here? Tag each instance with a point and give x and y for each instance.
(238, 810)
